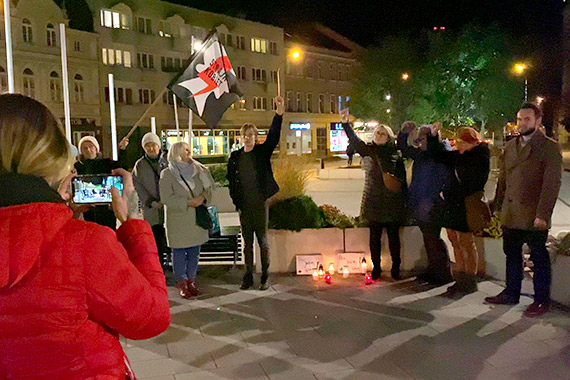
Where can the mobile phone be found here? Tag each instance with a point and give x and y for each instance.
(95, 188)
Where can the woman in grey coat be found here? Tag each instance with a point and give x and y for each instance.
(185, 185)
(146, 176)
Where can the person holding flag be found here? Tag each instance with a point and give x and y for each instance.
(251, 184)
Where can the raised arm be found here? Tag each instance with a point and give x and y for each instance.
(275, 130)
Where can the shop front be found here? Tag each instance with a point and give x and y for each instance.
(299, 139)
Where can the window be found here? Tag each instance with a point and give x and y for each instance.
(241, 73)
(258, 45)
(340, 72)
(299, 102)
(54, 87)
(170, 64)
(29, 83)
(259, 104)
(229, 40)
(258, 75)
(321, 74)
(333, 104)
(273, 48)
(340, 103)
(289, 103)
(240, 42)
(242, 105)
(347, 73)
(112, 19)
(127, 60)
(274, 77)
(146, 96)
(321, 103)
(116, 57)
(51, 38)
(122, 95)
(3, 80)
(144, 25)
(77, 46)
(146, 61)
(78, 89)
(165, 30)
(27, 31)
(332, 72)
(309, 103)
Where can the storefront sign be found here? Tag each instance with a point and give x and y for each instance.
(300, 126)
(339, 140)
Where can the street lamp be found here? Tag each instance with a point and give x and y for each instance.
(388, 97)
(539, 100)
(296, 54)
(405, 76)
(520, 69)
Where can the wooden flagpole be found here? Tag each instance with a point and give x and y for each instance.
(144, 115)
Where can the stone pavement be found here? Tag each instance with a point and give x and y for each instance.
(300, 330)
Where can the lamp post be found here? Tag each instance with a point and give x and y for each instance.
(520, 69)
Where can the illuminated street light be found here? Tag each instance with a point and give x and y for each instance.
(388, 110)
(539, 99)
(388, 97)
(405, 76)
(520, 69)
(296, 54)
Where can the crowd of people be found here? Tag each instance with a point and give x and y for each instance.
(70, 286)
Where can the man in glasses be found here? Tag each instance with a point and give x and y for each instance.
(251, 184)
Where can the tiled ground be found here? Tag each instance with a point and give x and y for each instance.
(301, 330)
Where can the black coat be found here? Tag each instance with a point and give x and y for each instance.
(379, 205)
(102, 215)
(262, 153)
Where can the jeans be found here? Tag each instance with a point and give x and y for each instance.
(185, 262)
(160, 240)
(376, 244)
(436, 250)
(513, 241)
(253, 219)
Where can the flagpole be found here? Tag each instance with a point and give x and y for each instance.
(113, 117)
(9, 57)
(178, 138)
(278, 82)
(190, 122)
(153, 125)
(66, 108)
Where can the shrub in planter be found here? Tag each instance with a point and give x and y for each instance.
(219, 173)
(291, 175)
(336, 218)
(296, 213)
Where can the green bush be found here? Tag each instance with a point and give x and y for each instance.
(296, 213)
(336, 218)
(219, 173)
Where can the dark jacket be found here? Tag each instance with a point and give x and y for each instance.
(529, 181)
(266, 182)
(146, 179)
(102, 215)
(379, 205)
(68, 288)
(470, 174)
(430, 178)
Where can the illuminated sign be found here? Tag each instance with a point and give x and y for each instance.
(336, 127)
(299, 126)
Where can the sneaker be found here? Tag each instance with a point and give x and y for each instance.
(264, 286)
(502, 299)
(192, 289)
(184, 291)
(536, 309)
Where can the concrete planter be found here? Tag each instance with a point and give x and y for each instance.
(560, 279)
(492, 257)
(221, 199)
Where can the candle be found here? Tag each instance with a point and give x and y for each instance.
(368, 279)
(345, 272)
(321, 271)
(328, 278)
(363, 266)
(331, 269)
(315, 274)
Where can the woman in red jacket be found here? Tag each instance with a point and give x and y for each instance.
(68, 288)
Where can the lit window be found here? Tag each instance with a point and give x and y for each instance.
(112, 19)
(127, 61)
(258, 45)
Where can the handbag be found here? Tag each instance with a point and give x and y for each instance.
(203, 217)
(391, 182)
(478, 212)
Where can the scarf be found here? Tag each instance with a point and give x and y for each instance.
(186, 174)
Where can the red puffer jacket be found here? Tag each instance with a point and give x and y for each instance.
(68, 288)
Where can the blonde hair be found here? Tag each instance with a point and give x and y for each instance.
(386, 129)
(175, 152)
(246, 127)
(31, 139)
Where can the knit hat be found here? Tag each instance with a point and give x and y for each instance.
(92, 140)
(150, 137)
(469, 135)
(74, 151)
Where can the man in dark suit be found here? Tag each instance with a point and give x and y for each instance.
(528, 187)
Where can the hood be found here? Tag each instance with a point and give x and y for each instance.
(26, 226)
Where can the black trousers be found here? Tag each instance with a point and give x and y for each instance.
(439, 265)
(253, 220)
(163, 250)
(376, 243)
(513, 241)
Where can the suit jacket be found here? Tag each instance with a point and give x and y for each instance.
(529, 181)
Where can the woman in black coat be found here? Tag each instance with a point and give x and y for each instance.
(470, 161)
(380, 207)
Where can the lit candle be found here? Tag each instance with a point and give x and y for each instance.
(331, 269)
(328, 278)
(368, 279)
(345, 272)
(321, 271)
(315, 274)
(363, 266)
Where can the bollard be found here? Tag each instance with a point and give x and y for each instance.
(322, 163)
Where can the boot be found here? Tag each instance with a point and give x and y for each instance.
(192, 289)
(264, 285)
(247, 281)
(184, 291)
(376, 272)
(395, 272)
